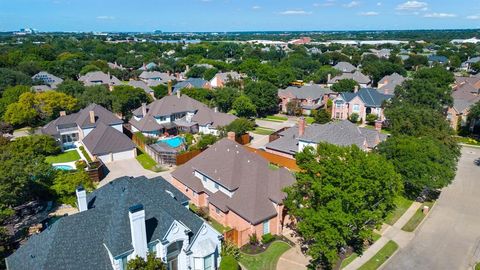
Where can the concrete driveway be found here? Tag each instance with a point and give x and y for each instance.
(131, 167)
(275, 125)
(449, 238)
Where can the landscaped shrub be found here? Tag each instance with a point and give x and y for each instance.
(229, 263)
(267, 238)
(253, 240)
(231, 250)
(371, 118)
(80, 164)
(84, 152)
(354, 117)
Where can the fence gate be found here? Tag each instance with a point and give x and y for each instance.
(231, 236)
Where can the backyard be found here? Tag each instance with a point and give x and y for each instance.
(68, 156)
(147, 162)
(266, 260)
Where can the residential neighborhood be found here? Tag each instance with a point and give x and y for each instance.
(129, 144)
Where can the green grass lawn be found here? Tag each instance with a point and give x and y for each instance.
(266, 260)
(309, 120)
(417, 218)
(68, 156)
(146, 161)
(402, 204)
(383, 131)
(217, 226)
(263, 131)
(382, 255)
(354, 255)
(469, 141)
(275, 118)
(477, 266)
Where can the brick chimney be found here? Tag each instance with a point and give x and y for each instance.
(169, 87)
(144, 109)
(301, 126)
(92, 117)
(63, 113)
(378, 125)
(231, 136)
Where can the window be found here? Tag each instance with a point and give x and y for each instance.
(123, 265)
(217, 211)
(152, 248)
(217, 186)
(356, 108)
(204, 178)
(266, 226)
(338, 104)
(208, 262)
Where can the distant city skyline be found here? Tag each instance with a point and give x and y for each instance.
(237, 15)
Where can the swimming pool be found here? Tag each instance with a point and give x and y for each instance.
(64, 167)
(173, 142)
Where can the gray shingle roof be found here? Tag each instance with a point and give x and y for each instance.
(255, 185)
(156, 75)
(190, 82)
(142, 85)
(105, 139)
(99, 77)
(356, 76)
(389, 83)
(313, 92)
(49, 79)
(345, 67)
(371, 97)
(77, 241)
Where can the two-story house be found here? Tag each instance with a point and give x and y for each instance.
(97, 129)
(342, 133)
(362, 102)
(357, 76)
(466, 93)
(388, 83)
(221, 78)
(126, 218)
(100, 78)
(311, 97)
(238, 187)
(178, 112)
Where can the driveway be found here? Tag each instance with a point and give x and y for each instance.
(292, 259)
(274, 125)
(449, 238)
(130, 167)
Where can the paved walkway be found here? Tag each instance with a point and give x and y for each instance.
(388, 233)
(449, 238)
(258, 141)
(292, 259)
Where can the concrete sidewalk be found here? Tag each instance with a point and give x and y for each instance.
(292, 259)
(388, 233)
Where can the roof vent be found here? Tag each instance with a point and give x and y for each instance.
(248, 161)
(238, 152)
(228, 149)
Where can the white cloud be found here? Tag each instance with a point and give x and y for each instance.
(439, 15)
(369, 13)
(105, 17)
(352, 4)
(256, 7)
(295, 12)
(379, 3)
(413, 5)
(474, 17)
(326, 3)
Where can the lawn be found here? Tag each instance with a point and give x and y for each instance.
(383, 130)
(477, 266)
(266, 260)
(402, 204)
(263, 131)
(146, 161)
(275, 118)
(382, 255)
(417, 218)
(354, 255)
(309, 120)
(470, 141)
(68, 156)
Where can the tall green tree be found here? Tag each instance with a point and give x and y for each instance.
(72, 88)
(151, 263)
(65, 183)
(264, 96)
(126, 98)
(344, 85)
(98, 94)
(224, 98)
(12, 95)
(340, 196)
(244, 107)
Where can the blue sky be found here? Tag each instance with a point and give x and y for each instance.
(237, 15)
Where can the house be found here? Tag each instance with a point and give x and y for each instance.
(125, 218)
(95, 128)
(345, 67)
(142, 85)
(239, 188)
(467, 65)
(178, 112)
(360, 78)
(100, 78)
(192, 83)
(342, 133)
(465, 94)
(48, 79)
(221, 78)
(148, 66)
(382, 53)
(115, 66)
(311, 97)
(363, 102)
(437, 59)
(388, 83)
(162, 77)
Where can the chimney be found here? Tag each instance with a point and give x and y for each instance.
(136, 214)
(329, 77)
(81, 199)
(355, 89)
(378, 125)
(63, 113)
(301, 126)
(92, 117)
(144, 109)
(231, 136)
(169, 87)
(179, 94)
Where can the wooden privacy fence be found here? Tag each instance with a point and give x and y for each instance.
(276, 159)
(243, 139)
(185, 157)
(238, 238)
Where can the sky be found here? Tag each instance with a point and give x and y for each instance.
(237, 15)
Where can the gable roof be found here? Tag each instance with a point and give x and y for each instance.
(313, 92)
(80, 241)
(345, 67)
(190, 82)
(99, 77)
(254, 185)
(156, 75)
(369, 96)
(48, 78)
(105, 139)
(225, 76)
(356, 76)
(142, 85)
(388, 83)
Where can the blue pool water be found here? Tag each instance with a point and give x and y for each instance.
(173, 142)
(64, 167)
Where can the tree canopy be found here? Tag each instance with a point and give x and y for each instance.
(244, 107)
(344, 85)
(264, 96)
(126, 98)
